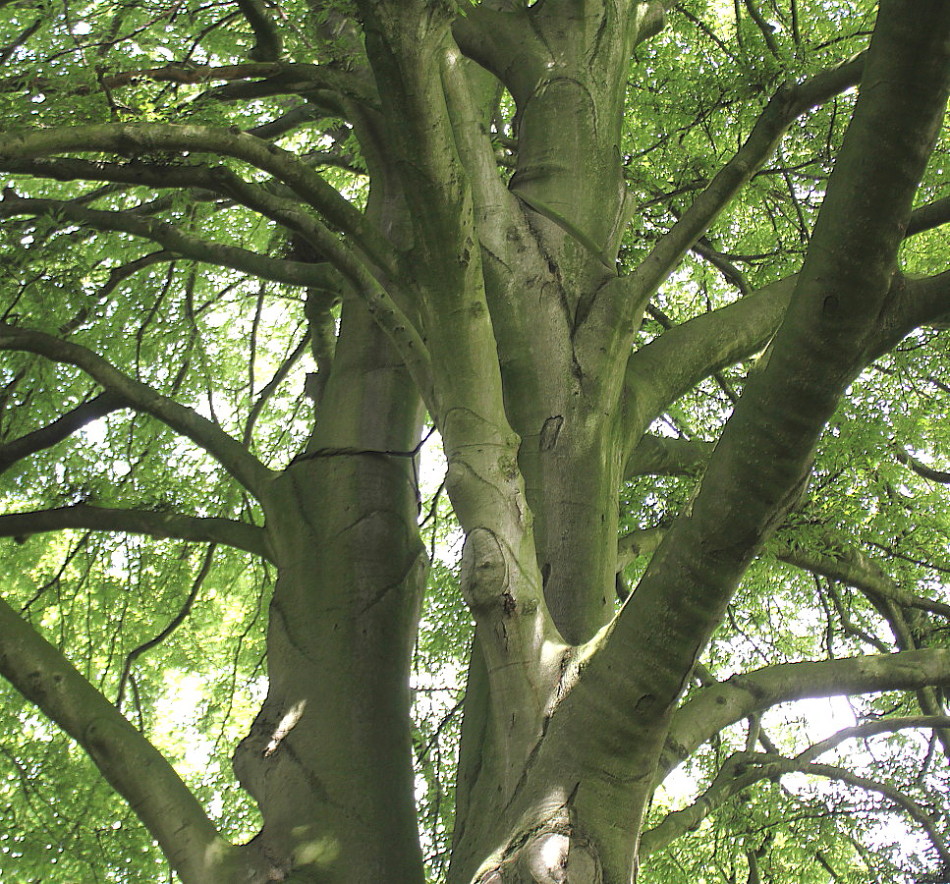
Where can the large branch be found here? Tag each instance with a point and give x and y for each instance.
(208, 180)
(922, 470)
(381, 305)
(666, 456)
(852, 567)
(135, 140)
(58, 430)
(131, 764)
(788, 104)
(268, 41)
(410, 48)
(719, 705)
(829, 333)
(233, 456)
(922, 301)
(744, 769)
(239, 535)
(672, 364)
(929, 216)
(254, 80)
(170, 237)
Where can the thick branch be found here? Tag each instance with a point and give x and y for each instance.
(140, 139)
(681, 357)
(852, 567)
(917, 301)
(922, 470)
(666, 456)
(239, 535)
(269, 78)
(634, 544)
(171, 238)
(763, 457)
(715, 707)
(378, 301)
(131, 764)
(218, 180)
(268, 42)
(233, 456)
(671, 365)
(58, 430)
(929, 216)
(743, 769)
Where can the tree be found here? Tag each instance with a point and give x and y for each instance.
(668, 279)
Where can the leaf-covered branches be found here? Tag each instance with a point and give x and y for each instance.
(233, 456)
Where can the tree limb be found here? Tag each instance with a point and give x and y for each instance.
(829, 333)
(929, 216)
(786, 105)
(239, 535)
(214, 180)
(743, 769)
(634, 544)
(130, 763)
(391, 318)
(138, 139)
(268, 42)
(233, 456)
(672, 364)
(60, 429)
(717, 706)
(666, 456)
(669, 366)
(922, 470)
(852, 567)
(169, 237)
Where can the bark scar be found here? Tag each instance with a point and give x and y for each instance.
(550, 432)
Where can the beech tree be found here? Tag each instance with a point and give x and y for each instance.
(669, 282)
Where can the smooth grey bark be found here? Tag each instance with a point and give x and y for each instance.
(328, 757)
(130, 763)
(633, 681)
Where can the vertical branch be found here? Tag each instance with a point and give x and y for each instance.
(411, 48)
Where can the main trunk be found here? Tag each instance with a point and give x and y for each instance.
(328, 758)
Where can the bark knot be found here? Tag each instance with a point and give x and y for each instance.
(560, 858)
(484, 572)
